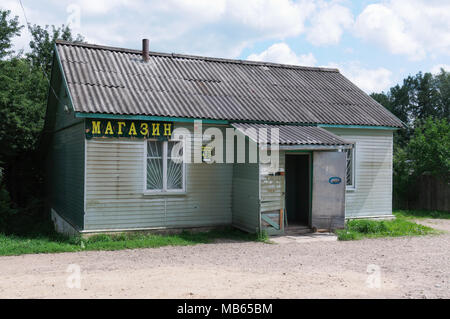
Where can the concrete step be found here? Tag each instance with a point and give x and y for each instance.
(297, 230)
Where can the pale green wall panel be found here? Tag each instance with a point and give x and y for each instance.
(65, 166)
(115, 196)
(373, 193)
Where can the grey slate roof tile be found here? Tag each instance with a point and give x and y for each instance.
(117, 81)
(293, 134)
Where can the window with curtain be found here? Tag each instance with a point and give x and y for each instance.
(165, 167)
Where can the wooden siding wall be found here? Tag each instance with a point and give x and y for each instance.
(65, 174)
(373, 194)
(245, 197)
(272, 200)
(65, 163)
(115, 199)
(272, 187)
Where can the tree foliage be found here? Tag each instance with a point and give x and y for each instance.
(9, 28)
(422, 102)
(419, 97)
(429, 148)
(6, 209)
(22, 107)
(23, 98)
(42, 43)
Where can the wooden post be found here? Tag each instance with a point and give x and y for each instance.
(281, 219)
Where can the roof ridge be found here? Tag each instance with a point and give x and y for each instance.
(197, 57)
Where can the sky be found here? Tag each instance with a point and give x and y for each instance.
(376, 44)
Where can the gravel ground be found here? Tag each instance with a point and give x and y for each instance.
(415, 267)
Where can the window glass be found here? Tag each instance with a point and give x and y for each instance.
(174, 165)
(350, 166)
(165, 166)
(154, 165)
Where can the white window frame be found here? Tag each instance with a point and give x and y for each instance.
(164, 190)
(351, 187)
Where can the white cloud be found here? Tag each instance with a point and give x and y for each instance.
(282, 53)
(275, 18)
(33, 16)
(415, 28)
(220, 27)
(203, 10)
(368, 80)
(328, 23)
(437, 68)
(102, 6)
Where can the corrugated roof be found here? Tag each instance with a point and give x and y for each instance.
(292, 134)
(117, 81)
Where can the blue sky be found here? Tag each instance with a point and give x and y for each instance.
(374, 43)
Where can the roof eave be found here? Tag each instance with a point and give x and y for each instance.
(66, 84)
(143, 117)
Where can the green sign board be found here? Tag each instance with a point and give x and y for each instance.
(127, 128)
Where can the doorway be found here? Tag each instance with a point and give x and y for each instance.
(298, 189)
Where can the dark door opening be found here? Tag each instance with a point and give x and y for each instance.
(297, 190)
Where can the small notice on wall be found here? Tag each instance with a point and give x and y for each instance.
(207, 154)
(127, 128)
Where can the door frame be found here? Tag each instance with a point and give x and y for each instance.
(310, 155)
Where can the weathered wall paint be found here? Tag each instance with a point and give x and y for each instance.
(115, 198)
(328, 197)
(373, 193)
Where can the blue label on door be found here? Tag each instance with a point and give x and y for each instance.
(335, 180)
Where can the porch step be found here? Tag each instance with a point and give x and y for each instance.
(297, 230)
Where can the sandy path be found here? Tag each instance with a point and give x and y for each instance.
(416, 267)
(439, 224)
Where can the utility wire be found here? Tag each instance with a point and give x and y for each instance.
(42, 68)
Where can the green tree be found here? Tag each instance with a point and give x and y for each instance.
(22, 106)
(442, 84)
(6, 210)
(396, 100)
(423, 96)
(429, 148)
(23, 100)
(42, 44)
(402, 178)
(9, 28)
(23, 92)
(418, 98)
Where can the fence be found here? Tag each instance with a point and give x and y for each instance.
(428, 193)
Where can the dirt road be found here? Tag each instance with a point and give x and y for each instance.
(417, 267)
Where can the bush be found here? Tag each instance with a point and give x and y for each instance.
(429, 148)
(344, 235)
(363, 228)
(428, 153)
(367, 226)
(6, 210)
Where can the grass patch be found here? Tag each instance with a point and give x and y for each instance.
(419, 214)
(54, 243)
(362, 228)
